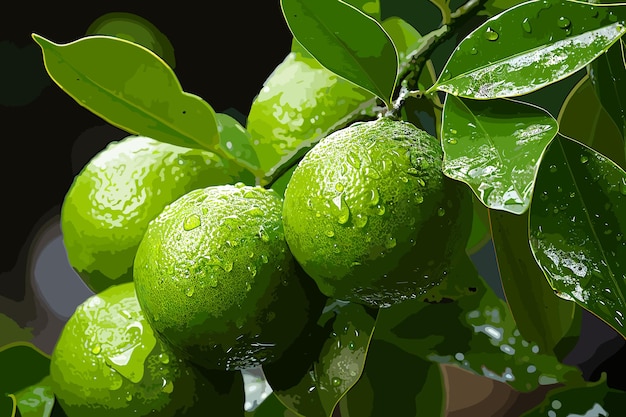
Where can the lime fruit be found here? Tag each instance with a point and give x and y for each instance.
(108, 206)
(215, 278)
(107, 361)
(369, 215)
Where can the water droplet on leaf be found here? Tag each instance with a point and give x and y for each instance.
(526, 26)
(491, 35)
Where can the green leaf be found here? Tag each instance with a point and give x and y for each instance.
(475, 332)
(382, 391)
(347, 41)
(14, 359)
(582, 117)
(8, 405)
(577, 226)
(132, 88)
(332, 369)
(12, 332)
(594, 399)
(236, 141)
(480, 233)
(36, 400)
(548, 319)
(608, 76)
(527, 47)
(495, 147)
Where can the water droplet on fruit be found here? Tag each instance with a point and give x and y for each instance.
(189, 292)
(452, 141)
(412, 171)
(252, 270)
(336, 382)
(191, 222)
(351, 345)
(441, 212)
(380, 209)
(96, 349)
(491, 35)
(370, 172)
(360, 220)
(339, 187)
(263, 235)
(164, 358)
(373, 196)
(526, 26)
(343, 213)
(330, 233)
(264, 258)
(354, 160)
(255, 211)
(390, 242)
(212, 280)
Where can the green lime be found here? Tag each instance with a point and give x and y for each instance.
(107, 361)
(109, 204)
(369, 215)
(215, 278)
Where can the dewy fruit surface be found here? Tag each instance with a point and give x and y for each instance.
(122, 188)
(216, 279)
(370, 216)
(107, 361)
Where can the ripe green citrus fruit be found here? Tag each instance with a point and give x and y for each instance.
(107, 361)
(369, 215)
(109, 204)
(215, 278)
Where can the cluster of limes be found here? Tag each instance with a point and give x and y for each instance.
(195, 268)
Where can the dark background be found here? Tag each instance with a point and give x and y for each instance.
(224, 52)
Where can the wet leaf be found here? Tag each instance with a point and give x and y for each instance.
(480, 233)
(271, 407)
(577, 223)
(495, 147)
(347, 41)
(335, 367)
(382, 391)
(548, 319)
(608, 77)
(527, 47)
(36, 400)
(236, 141)
(593, 399)
(132, 88)
(14, 359)
(583, 118)
(475, 332)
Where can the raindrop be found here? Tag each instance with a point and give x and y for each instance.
(354, 160)
(342, 208)
(526, 26)
(473, 51)
(96, 349)
(168, 386)
(191, 222)
(380, 209)
(491, 35)
(264, 258)
(330, 233)
(164, 358)
(189, 292)
(553, 168)
(564, 22)
(336, 381)
(452, 141)
(373, 196)
(360, 220)
(263, 235)
(441, 212)
(584, 159)
(351, 345)
(339, 187)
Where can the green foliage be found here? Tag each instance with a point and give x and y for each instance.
(532, 122)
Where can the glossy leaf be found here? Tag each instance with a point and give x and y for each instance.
(480, 233)
(36, 400)
(132, 88)
(584, 119)
(346, 41)
(548, 319)
(593, 399)
(495, 147)
(14, 359)
(527, 47)
(395, 382)
(475, 332)
(608, 77)
(577, 223)
(271, 407)
(335, 367)
(236, 141)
